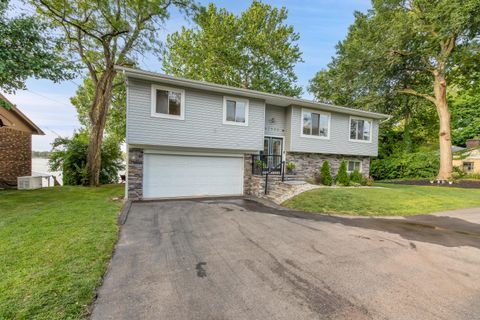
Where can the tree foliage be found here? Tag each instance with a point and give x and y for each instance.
(326, 174)
(115, 125)
(70, 157)
(466, 115)
(28, 49)
(104, 34)
(342, 178)
(356, 177)
(402, 50)
(407, 165)
(255, 50)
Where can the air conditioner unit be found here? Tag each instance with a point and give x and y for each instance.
(29, 183)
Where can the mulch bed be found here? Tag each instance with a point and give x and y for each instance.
(426, 182)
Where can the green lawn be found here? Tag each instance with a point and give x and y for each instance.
(55, 245)
(389, 200)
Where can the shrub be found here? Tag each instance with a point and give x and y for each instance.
(291, 166)
(325, 174)
(458, 173)
(356, 177)
(69, 155)
(261, 164)
(367, 182)
(406, 166)
(342, 176)
(473, 176)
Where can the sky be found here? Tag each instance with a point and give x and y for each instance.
(320, 23)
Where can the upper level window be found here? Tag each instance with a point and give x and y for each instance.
(168, 102)
(354, 165)
(315, 124)
(360, 129)
(235, 111)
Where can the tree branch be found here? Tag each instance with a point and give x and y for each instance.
(63, 19)
(91, 69)
(418, 94)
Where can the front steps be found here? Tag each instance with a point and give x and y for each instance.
(279, 191)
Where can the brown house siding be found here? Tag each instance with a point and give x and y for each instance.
(15, 155)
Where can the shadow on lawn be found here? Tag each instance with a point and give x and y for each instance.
(441, 230)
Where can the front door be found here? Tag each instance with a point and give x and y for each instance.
(273, 148)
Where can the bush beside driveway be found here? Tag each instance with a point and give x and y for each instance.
(55, 245)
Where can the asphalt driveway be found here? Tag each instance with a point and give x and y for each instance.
(237, 259)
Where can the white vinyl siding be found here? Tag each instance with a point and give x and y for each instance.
(202, 126)
(275, 121)
(339, 142)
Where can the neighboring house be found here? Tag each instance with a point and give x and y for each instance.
(469, 160)
(193, 138)
(15, 144)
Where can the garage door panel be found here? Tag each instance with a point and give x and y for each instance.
(181, 175)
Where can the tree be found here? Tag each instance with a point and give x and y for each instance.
(70, 156)
(326, 174)
(342, 175)
(255, 50)
(115, 125)
(408, 48)
(466, 115)
(27, 49)
(104, 34)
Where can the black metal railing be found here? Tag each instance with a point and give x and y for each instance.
(266, 165)
(263, 163)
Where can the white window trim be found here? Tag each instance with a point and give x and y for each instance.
(234, 123)
(361, 165)
(350, 126)
(154, 113)
(328, 114)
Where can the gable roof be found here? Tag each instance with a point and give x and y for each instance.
(22, 117)
(269, 98)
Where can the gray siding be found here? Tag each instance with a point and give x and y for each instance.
(339, 137)
(288, 129)
(275, 121)
(203, 125)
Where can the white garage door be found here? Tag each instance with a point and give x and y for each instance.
(166, 176)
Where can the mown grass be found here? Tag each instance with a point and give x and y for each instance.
(55, 245)
(393, 200)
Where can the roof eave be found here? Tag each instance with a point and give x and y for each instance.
(202, 85)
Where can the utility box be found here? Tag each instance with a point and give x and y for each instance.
(29, 183)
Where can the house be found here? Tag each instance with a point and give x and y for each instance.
(469, 159)
(16, 131)
(192, 138)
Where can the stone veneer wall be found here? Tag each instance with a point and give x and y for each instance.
(247, 173)
(309, 164)
(135, 174)
(15, 156)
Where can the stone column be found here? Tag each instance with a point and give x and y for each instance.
(135, 174)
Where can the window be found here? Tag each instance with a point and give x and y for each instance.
(235, 111)
(354, 165)
(360, 130)
(168, 102)
(315, 124)
(468, 166)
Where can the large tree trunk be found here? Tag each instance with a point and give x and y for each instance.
(444, 134)
(98, 117)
